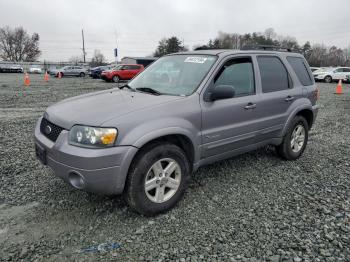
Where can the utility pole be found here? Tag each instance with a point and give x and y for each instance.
(82, 34)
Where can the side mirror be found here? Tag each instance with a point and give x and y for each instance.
(222, 92)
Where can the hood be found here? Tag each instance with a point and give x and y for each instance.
(96, 108)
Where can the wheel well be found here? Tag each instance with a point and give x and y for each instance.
(308, 115)
(181, 141)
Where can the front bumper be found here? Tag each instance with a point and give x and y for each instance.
(95, 170)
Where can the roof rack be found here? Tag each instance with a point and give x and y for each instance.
(266, 47)
(204, 47)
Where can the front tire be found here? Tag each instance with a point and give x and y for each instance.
(157, 179)
(295, 140)
(82, 74)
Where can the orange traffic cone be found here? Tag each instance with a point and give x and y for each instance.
(339, 88)
(26, 80)
(46, 77)
(59, 75)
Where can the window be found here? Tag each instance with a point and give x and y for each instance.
(134, 67)
(274, 76)
(239, 74)
(300, 69)
(339, 70)
(347, 70)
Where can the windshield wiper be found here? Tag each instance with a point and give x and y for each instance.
(149, 90)
(127, 86)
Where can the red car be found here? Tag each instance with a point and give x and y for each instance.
(121, 72)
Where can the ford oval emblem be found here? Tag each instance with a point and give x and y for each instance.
(48, 129)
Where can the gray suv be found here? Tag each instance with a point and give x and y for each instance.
(185, 110)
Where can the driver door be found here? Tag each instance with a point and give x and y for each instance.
(229, 124)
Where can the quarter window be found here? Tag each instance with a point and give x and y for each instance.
(239, 74)
(300, 70)
(274, 76)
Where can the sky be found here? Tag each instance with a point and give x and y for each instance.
(136, 26)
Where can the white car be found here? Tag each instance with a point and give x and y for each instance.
(329, 75)
(35, 70)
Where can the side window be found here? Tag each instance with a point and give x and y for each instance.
(339, 70)
(274, 76)
(300, 69)
(347, 70)
(239, 74)
(134, 67)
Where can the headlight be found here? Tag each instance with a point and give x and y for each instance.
(95, 137)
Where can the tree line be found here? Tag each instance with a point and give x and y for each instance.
(17, 45)
(316, 54)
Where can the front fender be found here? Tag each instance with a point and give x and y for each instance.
(148, 131)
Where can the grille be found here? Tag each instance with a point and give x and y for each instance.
(50, 130)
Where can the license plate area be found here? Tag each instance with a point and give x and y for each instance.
(40, 154)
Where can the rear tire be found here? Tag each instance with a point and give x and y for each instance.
(295, 140)
(328, 79)
(158, 166)
(115, 79)
(82, 74)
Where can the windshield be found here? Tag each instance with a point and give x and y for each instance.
(175, 74)
(117, 67)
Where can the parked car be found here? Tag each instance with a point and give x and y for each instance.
(96, 71)
(144, 140)
(16, 69)
(122, 72)
(35, 69)
(332, 74)
(11, 69)
(70, 71)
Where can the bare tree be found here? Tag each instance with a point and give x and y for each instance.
(17, 45)
(76, 59)
(98, 59)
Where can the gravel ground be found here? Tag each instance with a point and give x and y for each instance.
(255, 207)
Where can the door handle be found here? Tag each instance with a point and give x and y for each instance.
(289, 98)
(250, 106)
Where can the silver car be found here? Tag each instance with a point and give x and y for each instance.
(70, 71)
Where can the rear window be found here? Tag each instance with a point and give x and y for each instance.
(274, 76)
(300, 69)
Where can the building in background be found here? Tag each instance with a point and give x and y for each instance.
(145, 61)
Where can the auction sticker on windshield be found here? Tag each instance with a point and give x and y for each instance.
(195, 59)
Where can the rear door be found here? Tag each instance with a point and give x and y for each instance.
(347, 73)
(135, 69)
(339, 74)
(278, 93)
(230, 124)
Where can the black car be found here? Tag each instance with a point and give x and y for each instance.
(96, 71)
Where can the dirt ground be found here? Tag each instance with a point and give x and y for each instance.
(255, 207)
